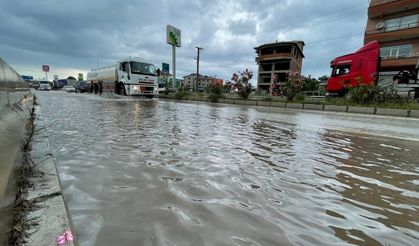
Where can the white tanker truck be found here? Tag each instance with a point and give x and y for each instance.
(130, 76)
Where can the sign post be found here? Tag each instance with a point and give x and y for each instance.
(45, 68)
(173, 37)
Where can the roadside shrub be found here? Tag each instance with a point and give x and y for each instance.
(310, 84)
(215, 91)
(242, 80)
(376, 94)
(364, 94)
(293, 85)
(299, 97)
(181, 95)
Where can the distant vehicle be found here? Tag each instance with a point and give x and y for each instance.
(69, 88)
(130, 76)
(60, 83)
(44, 86)
(363, 68)
(35, 84)
(82, 86)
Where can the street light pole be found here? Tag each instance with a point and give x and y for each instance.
(198, 50)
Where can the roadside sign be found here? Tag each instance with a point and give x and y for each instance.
(45, 68)
(173, 35)
(165, 67)
(26, 77)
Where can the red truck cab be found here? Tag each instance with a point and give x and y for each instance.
(358, 68)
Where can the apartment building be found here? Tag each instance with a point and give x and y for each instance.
(277, 60)
(203, 81)
(395, 25)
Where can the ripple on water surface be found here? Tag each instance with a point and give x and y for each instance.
(149, 172)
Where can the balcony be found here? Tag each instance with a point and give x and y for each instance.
(392, 33)
(385, 7)
(274, 57)
(405, 62)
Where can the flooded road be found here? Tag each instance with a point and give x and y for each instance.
(154, 172)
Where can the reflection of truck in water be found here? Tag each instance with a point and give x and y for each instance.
(130, 76)
(363, 68)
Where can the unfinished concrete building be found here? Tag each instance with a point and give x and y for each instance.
(279, 58)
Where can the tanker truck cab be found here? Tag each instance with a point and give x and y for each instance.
(136, 76)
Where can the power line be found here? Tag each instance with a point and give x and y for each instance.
(331, 39)
(332, 17)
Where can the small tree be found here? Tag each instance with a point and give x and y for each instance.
(293, 85)
(242, 80)
(80, 78)
(310, 84)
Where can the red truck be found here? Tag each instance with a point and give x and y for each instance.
(363, 68)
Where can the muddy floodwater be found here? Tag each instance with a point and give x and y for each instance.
(156, 172)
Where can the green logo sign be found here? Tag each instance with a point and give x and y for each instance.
(173, 35)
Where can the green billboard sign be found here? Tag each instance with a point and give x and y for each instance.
(173, 36)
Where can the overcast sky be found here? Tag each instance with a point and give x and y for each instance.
(72, 35)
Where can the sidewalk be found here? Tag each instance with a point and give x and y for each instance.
(50, 213)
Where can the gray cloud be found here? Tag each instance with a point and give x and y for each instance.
(72, 35)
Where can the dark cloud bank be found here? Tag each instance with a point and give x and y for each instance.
(72, 35)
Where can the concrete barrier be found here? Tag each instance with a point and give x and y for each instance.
(240, 101)
(229, 101)
(250, 102)
(295, 105)
(278, 104)
(361, 110)
(414, 113)
(325, 107)
(264, 103)
(313, 106)
(392, 112)
(15, 103)
(335, 108)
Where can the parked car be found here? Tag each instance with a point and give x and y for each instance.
(44, 86)
(82, 86)
(69, 88)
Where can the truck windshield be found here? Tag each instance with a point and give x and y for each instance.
(142, 68)
(340, 70)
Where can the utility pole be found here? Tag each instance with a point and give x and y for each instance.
(198, 50)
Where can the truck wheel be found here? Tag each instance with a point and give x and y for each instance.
(122, 90)
(149, 96)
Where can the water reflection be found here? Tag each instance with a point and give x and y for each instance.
(152, 172)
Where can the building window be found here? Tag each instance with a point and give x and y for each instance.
(403, 22)
(396, 51)
(267, 51)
